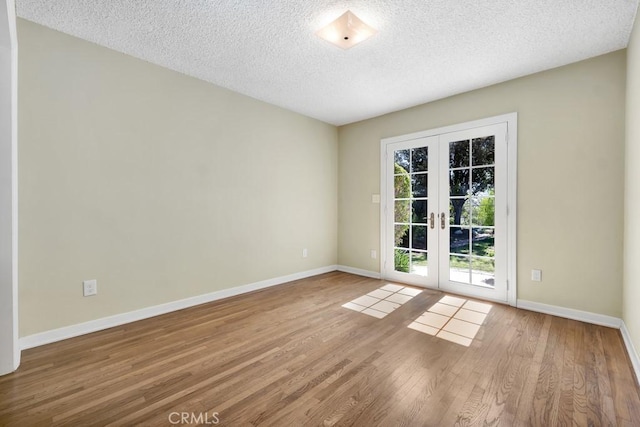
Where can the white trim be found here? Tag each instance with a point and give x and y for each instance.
(512, 208)
(359, 271)
(14, 176)
(631, 350)
(9, 345)
(452, 128)
(570, 313)
(66, 332)
(63, 333)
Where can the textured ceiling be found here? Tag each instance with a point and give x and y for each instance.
(423, 51)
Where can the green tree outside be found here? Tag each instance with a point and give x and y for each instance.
(487, 210)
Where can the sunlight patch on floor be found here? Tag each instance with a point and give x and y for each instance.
(383, 300)
(453, 319)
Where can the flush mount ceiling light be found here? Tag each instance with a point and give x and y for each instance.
(346, 31)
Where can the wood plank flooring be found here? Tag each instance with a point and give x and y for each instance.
(292, 356)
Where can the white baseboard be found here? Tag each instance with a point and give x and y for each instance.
(60, 334)
(631, 350)
(66, 332)
(359, 271)
(570, 313)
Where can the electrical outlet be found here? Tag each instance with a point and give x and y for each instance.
(89, 287)
(374, 254)
(536, 275)
(305, 253)
(375, 198)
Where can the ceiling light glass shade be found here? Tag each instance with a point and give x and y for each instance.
(346, 31)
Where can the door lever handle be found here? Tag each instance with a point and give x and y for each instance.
(442, 220)
(432, 220)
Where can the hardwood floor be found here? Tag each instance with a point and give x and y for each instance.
(292, 356)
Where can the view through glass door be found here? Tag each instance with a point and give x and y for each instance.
(445, 218)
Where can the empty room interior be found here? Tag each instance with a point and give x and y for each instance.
(357, 213)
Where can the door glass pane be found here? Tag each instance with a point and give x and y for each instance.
(419, 237)
(459, 154)
(402, 184)
(419, 263)
(483, 271)
(402, 235)
(459, 211)
(459, 182)
(420, 215)
(401, 260)
(401, 210)
(402, 159)
(459, 240)
(419, 159)
(484, 211)
(483, 151)
(483, 181)
(459, 269)
(483, 242)
(419, 185)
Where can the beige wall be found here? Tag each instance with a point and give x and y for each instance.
(158, 185)
(570, 178)
(631, 314)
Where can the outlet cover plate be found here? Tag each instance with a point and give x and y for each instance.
(536, 275)
(89, 287)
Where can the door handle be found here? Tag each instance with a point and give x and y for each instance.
(432, 220)
(442, 220)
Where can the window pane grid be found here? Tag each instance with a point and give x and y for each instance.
(472, 205)
(411, 230)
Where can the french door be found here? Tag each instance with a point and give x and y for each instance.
(445, 211)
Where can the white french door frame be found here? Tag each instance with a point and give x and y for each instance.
(510, 119)
(431, 279)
